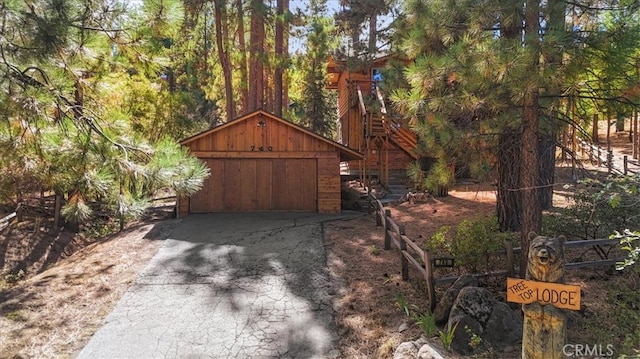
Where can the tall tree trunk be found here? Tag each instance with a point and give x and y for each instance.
(373, 35)
(256, 49)
(279, 47)
(285, 86)
(268, 84)
(529, 166)
(242, 48)
(556, 10)
(223, 55)
(509, 198)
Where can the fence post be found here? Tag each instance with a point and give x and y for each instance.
(387, 237)
(508, 248)
(403, 249)
(626, 164)
(609, 161)
(428, 273)
(378, 213)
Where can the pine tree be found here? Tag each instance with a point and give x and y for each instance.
(62, 61)
(316, 105)
(351, 19)
(489, 76)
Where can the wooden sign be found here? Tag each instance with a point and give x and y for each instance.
(443, 262)
(556, 294)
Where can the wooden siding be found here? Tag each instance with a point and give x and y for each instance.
(398, 159)
(250, 185)
(329, 200)
(260, 134)
(263, 163)
(344, 96)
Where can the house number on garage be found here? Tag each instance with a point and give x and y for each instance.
(558, 295)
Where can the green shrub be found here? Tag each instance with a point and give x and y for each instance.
(472, 242)
(438, 244)
(439, 178)
(416, 175)
(600, 208)
(629, 242)
(475, 240)
(436, 181)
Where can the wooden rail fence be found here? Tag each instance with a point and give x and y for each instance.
(409, 251)
(605, 158)
(424, 262)
(4, 222)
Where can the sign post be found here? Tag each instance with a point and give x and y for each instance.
(544, 299)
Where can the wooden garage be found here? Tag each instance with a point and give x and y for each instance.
(260, 162)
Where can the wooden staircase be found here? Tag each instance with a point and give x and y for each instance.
(403, 137)
(383, 125)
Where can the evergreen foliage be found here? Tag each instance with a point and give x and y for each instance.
(315, 106)
(474, 72)
(79, 118)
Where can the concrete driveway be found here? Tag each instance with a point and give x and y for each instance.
(228, 286)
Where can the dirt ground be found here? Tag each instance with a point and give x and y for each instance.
(53, 313)
(368, 313)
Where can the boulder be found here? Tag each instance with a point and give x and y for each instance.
(474, 302)
(443, 308)
(420, 349)
(406, 350)
(428, 352)
(477, 311)
(504, 327)
(465, 327)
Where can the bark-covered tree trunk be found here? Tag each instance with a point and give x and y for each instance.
(242, 49)
(223, 55)
(285, 45)
(279, 49)
(256, 49)
(529, 166)
(509, 200)
(556, 10)
(373, 34)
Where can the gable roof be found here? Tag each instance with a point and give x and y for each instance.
(346, 153)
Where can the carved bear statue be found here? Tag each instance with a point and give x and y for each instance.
(544, 327)
(546, 259)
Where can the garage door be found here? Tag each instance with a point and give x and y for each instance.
(251, 185)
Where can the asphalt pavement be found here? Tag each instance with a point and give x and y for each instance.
(228, 286)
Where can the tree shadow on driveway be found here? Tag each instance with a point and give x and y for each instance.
(231, 286)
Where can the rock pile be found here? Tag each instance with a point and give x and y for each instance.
(480, 320)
